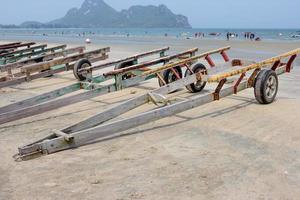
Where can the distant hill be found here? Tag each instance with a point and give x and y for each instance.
(96, 13)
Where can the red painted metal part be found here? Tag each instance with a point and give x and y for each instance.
(189, 68)
(218, 89)
(275, 65)
(176, 74)
(210, 61)
(225, 56)
(290, 62)
(236, 85)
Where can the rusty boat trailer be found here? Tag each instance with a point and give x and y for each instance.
(262, 76)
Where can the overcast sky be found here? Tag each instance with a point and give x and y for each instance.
(201, 13)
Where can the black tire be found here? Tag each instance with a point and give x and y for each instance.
(80, 64)
(266, 86)
(199, 85)
(169, 76)
(126, 64)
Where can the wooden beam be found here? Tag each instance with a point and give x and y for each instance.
(10, 44)
(46, 73)
(11, 54)
(42, 58)
(134, 57)
(18, 45)
(150, 63)
(46, 65)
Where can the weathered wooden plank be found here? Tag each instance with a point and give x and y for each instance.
(41, 58)
(30, 54)
(10, 44)
(38, 75)
(107, 114)
(150, 63)
(14, 46)
(55, 104)
(134, 57)
(11, 54)
(46, 65)
(41, 98)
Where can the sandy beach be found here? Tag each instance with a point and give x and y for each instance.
(231, 149)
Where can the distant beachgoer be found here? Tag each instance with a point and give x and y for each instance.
(166, 34)
(196, 35)
(228, 36)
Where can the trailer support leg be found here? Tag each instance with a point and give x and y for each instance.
(225, 56)
(236, 85)
(210, 61)
(290, 62)
(219, 88)
(276, 65)
(251, 80)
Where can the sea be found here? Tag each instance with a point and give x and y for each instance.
(94, 33)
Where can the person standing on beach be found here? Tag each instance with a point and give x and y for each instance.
(228, 36)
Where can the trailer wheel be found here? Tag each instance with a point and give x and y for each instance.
(124, 65)
(266, 86)
(169, 76)
(81, 64)
(199, 85)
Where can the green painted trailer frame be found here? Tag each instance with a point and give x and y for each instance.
(15, 56)
(50, 67)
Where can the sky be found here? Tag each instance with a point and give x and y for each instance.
(201, 13)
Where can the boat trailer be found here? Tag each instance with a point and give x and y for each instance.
(262, 76)
(91, 86)
(48, 68)
(14, 56)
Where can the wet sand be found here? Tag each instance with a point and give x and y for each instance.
(230, 149)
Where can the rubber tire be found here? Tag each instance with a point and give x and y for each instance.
(196, 68)
(166, 73)
(78, 65)
(261, 84)
(123, 65)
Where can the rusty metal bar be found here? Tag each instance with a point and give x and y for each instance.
(276, 65)
(290, 62)
(236, 85)
(216, 94)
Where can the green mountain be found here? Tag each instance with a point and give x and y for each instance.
(96, 13)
